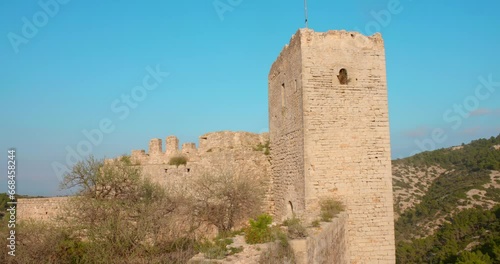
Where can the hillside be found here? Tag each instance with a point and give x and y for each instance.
(446, 204)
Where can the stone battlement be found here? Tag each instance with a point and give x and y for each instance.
(208, 142)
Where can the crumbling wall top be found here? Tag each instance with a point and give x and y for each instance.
(229, 140)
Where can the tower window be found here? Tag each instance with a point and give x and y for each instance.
(290, 212)
(283, 95)
(343, 78)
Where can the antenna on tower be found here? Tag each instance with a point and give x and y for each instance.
(305, 13)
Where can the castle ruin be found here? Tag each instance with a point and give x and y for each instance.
(329, 138)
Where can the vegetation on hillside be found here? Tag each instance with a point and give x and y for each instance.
(475, 229)
(477, 155)
(471, 236)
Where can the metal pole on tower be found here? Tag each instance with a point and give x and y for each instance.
(305, 13)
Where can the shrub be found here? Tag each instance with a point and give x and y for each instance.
(218, 249)
(126, 160)
(329, 209)
(263, 147)
(177, 160)
(259, 230)
(224, 198)
(315, 223)
(121, 218)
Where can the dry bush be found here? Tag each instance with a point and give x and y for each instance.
(125, 218)
(93, 178)
(178, 160)
(225, 198)
(39, 242)
(330, 208)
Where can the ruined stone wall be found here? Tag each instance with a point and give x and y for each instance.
(286, 132)
(345, 136)
(330, 245)
(156, 155)
(220, 151)
(224, 151)
(44, 209)
(326, 244)
(230, 140)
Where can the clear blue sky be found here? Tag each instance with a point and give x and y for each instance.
(79, 58)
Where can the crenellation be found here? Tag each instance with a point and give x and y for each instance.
(171, 146)
(189, 149)
(228, 140)
(155, 147)
(138, 156)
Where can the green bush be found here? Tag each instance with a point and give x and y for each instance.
(71, 250)
(474, 258)
(126, 160)
(177, 160)
(329, 209)
(259, 230)
(263, 147)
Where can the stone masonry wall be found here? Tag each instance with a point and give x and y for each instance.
(330, 245)
(44, 209)
(347, 144)
(325, 245)
(287, 132)
(218, 151)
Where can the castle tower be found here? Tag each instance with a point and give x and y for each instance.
(329, 132)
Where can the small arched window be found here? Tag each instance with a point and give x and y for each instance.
(283, 95)
(290, 212)
(343, 78)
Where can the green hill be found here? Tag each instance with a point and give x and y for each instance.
(447, 204)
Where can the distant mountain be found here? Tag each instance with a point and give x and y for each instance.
(447, 204)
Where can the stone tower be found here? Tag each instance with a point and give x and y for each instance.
(329, 132)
